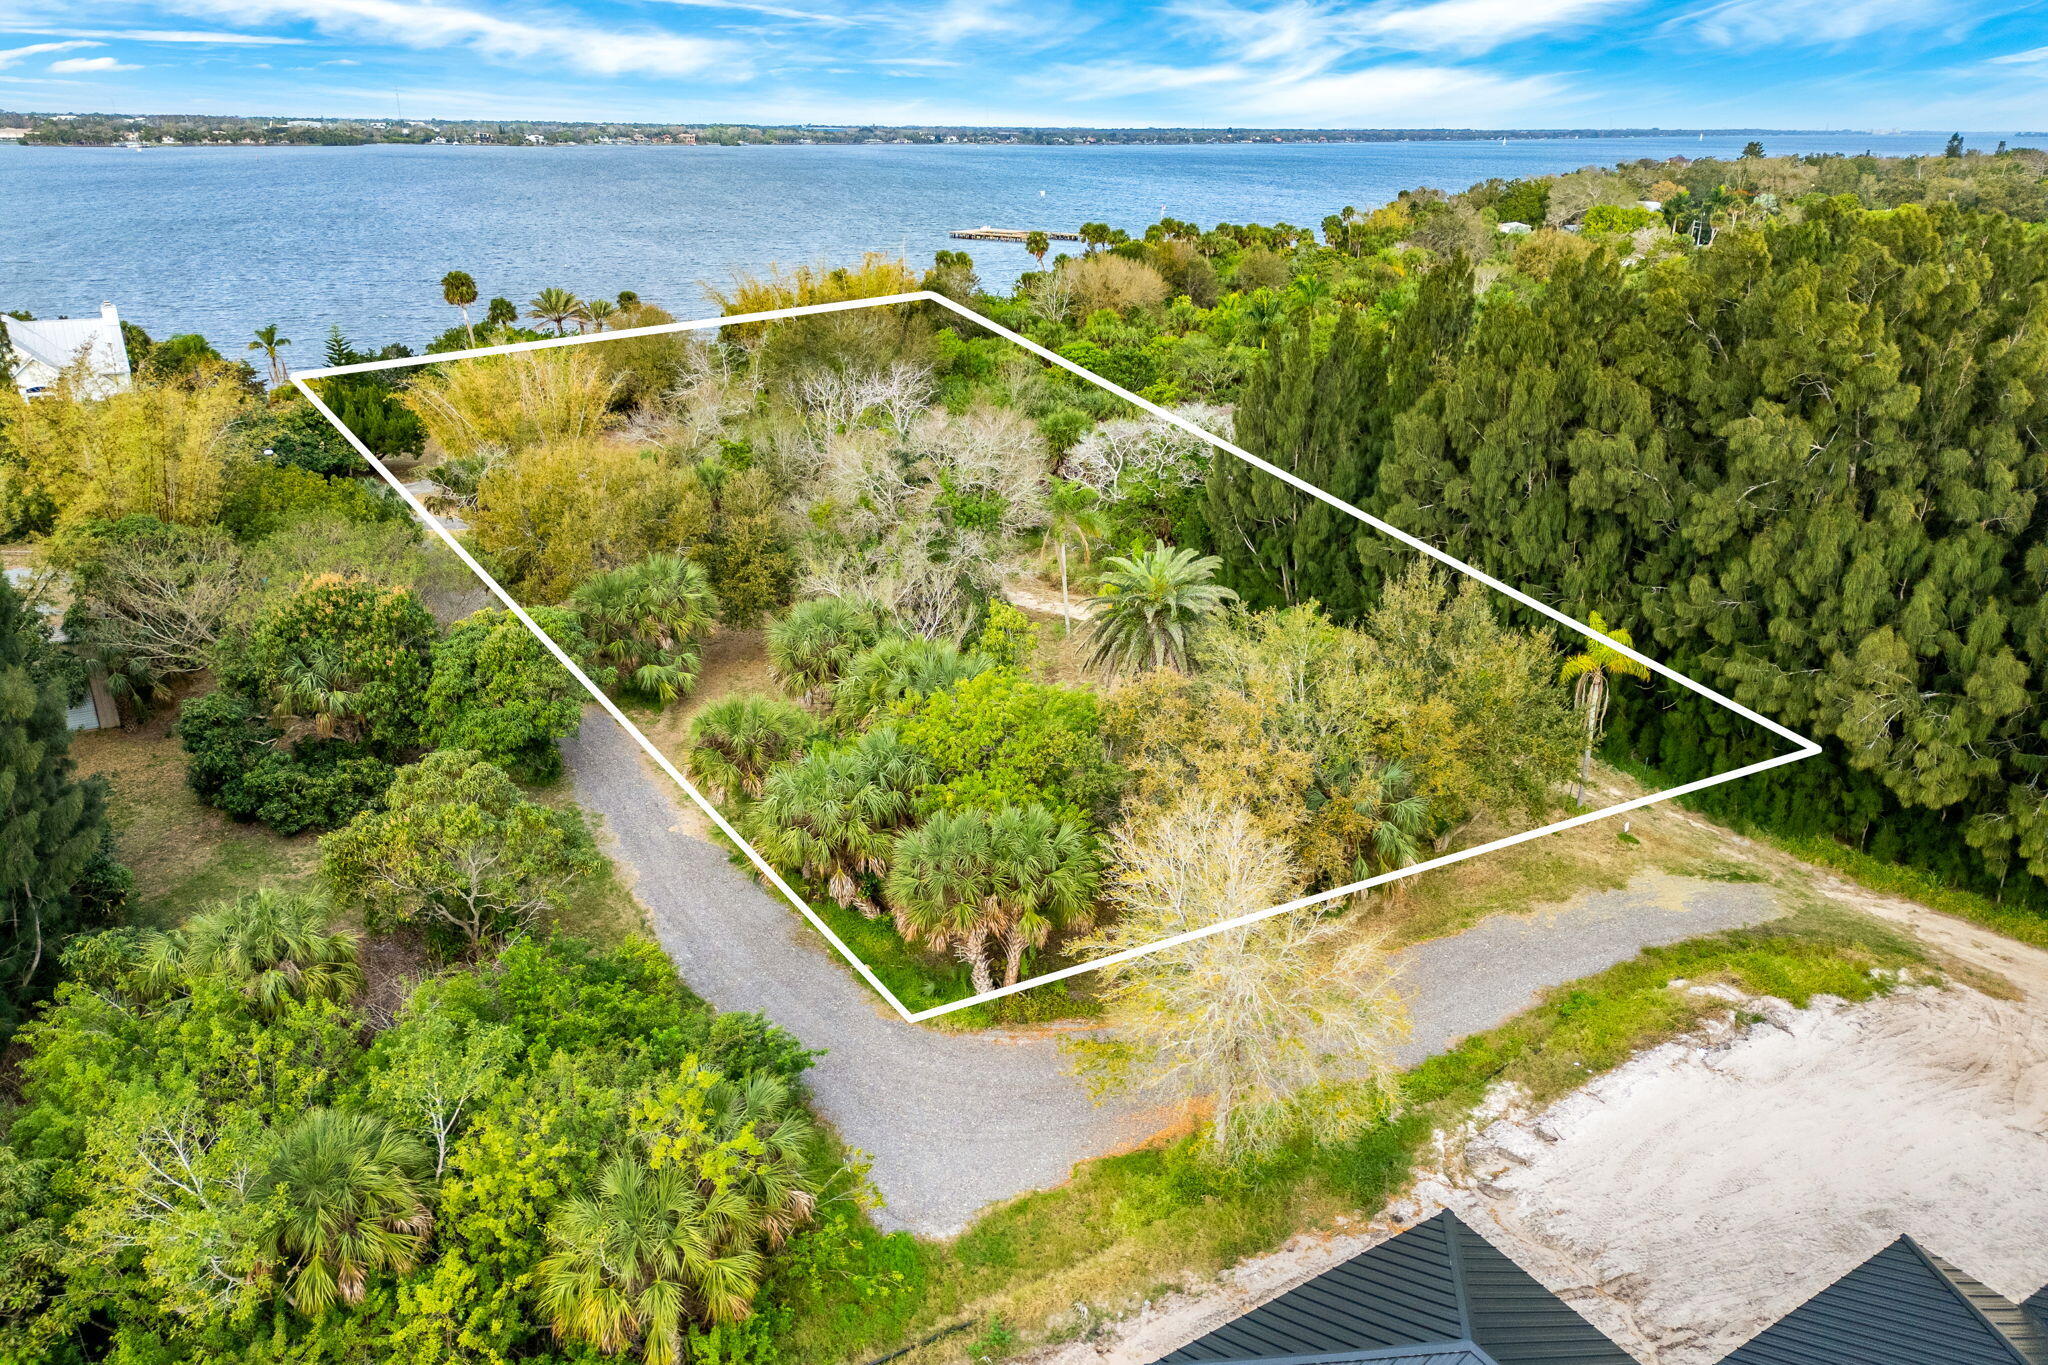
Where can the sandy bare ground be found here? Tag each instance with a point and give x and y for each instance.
(1696, 1194)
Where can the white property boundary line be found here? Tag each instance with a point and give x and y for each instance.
(1802, 746)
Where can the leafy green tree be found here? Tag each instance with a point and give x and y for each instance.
(498, 691)
(273, 948)
(734, 743)
(833, 815)
(1147, 607)
(458, 850)
(458, 290)
(998, 739)
(348, 655)
(239, 764)
(431, 1070)
(350, 1201)
(1588, 672)
(53, 826)
(644, 622)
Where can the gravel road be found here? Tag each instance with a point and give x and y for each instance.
(954, 1122)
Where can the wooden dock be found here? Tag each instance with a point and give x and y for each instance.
(1019, 235)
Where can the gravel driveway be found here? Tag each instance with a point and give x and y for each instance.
(954, 1122)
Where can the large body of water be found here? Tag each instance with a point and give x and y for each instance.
(222, 240)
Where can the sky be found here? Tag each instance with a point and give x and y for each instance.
(1975, 65)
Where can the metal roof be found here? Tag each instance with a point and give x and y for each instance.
(1903, 1306)
(2037, 1304)
(1438, 1284)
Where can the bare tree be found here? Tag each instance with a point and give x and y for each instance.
(1284, 1026)
(151, 604)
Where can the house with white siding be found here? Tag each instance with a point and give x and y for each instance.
(42, 350)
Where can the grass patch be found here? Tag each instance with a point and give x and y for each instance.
(184, 854)
(1125, 1228)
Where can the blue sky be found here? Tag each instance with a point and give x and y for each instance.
(1970, 64)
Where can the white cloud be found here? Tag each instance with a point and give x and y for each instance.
(1481, 25)
(76, 65)
(1812, 23)
(9, 56)
(514, 41)
(1402, 96)
(159, 35)
(2033, 57)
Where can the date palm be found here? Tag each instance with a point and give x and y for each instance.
(833, 815)
(599, 312)
(645, 621)
(350, 1195)
(1588, 673)
(458, 290)
(817, 639)
(270, 343)
(1073, 517)
(645, 1255)
(1148, 605)
(273, 947)
(554, 305)
(734, 743)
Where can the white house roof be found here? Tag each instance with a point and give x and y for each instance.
(51, 345)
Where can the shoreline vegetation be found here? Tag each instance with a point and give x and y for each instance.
(804, 546)
(208, 130)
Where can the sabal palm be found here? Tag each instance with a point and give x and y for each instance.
(943, 888)
(1073, 517)
(322, 687)
(815, 640)
(554, 305)
(645, 1255)
(273, 947)
(1588, 672)
(1401, 820)
(1046, 875)
(766, 1119)
(350, 1199)
(833, 815)
(270, 343)
(734, 743)
(645, 620)
(1148, 605)
(458, 290)
(899, 667)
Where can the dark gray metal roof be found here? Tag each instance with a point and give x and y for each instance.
(1903, 1306)
(1437, 1284)
(2037, 1304)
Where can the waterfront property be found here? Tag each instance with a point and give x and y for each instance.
(44, 349)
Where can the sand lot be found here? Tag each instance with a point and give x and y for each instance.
(1689, 1198)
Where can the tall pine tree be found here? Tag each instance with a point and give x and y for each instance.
(54, 874)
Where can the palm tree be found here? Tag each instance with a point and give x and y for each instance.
(1588, 674)
(774, 1170)
(350, 1201)
(809, 646)
(943, 889)
(898, 668)
(321, 686)
(1309, 290)
(554, 305)
(459, 291)
(644, 1256)
(645, 620)
(270, 343)
(734, 743)
(1148, 604)
(1037, 243)
(1092, 236)
(599, 311)
(1400, 820)
(1073, 517)
(274, 948)
(833, 815)
(1046, 876)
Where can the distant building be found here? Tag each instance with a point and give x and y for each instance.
(12, 134)
(44, 349)
(1514, 229)
(47, 594)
